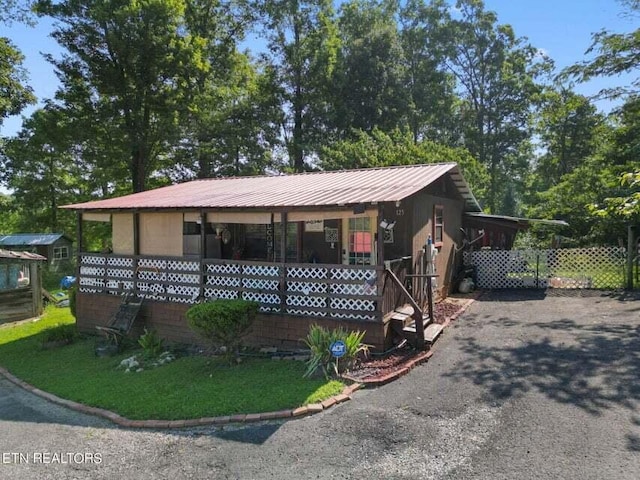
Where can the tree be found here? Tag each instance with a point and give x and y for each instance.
(135, 60)
(569, 128)
(368, 81)
(303, 44)
(380, 149)
(495, 73)
(428, 85)
(615, 53)
(41, 171)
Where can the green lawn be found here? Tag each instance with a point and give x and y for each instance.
(190, 387)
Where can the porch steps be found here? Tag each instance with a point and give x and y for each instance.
(404, 324)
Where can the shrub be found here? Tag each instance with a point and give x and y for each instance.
(151, 343)
(223, 323)
(319, 341)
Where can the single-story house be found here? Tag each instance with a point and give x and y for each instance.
(56, 247)
(337, 248)
(20, 285)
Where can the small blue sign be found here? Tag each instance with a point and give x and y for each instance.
(338, 349)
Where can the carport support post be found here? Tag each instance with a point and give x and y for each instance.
(631, 247)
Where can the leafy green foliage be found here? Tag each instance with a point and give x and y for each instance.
(151, 343)
(73, 299)
(15, 93)
(319, 341)
(223, 323)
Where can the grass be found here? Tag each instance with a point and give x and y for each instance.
(190, 387)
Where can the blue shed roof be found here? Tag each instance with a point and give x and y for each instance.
(29, 239)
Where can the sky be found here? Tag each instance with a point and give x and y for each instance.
(561, 28)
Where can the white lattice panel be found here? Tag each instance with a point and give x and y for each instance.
(352, 274)
(119, 273)
(120, 262)
(219, 269)
(91, 260)
(183, 266)
(261, 270)
(300, 312)
(266, 299)
(213, 293)
(183, 278)
(597, 268)
(260, 284)
(307, 287)
(308, 272)
(353, 316)
(224, 281)
(306, 301)
(96, 271)
(154, 263)
(363, 289)
(353, 304)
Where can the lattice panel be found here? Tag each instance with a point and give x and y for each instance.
(213, 293)
(183, 278)
(306, 301)
(224, 281)
(363, 289)
(307, 287)
(353, 304)
(120, 262)
(352, 274)
(152, 263)
(183, 266)
(216, 269)
(297, 311)
(261, 270)
(308, 272)
(91, 260)
(119, 273)
(96, 271)
(267, 301)
(591, 268)
(260, 284)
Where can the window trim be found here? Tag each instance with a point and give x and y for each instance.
(438, 208)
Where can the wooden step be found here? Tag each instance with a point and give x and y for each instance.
(432, 332)
(411, 327)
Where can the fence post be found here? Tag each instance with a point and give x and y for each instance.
(631, 251)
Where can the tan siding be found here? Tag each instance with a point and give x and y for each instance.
(161, 234)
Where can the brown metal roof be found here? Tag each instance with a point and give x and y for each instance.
(344, 187)
(20, 255)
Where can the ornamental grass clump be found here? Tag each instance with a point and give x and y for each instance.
(223, 323)
(319, 341)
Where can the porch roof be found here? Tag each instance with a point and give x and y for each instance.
(315, 189)
(513, 222)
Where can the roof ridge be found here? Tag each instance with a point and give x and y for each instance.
(319, 172)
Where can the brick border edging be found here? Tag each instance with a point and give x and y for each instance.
(298, 412)
(419, 359)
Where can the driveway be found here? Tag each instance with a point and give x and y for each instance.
(522, 386)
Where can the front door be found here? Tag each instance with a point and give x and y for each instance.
(358, 241)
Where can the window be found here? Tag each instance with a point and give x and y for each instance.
(360, 241)
(438, 224)
(60, 253)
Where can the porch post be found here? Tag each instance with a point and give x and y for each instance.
(136, 249)
(203, 251)
(380, 237)
(283, 261)
(79, 248)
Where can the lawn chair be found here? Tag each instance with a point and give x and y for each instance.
(122, 321)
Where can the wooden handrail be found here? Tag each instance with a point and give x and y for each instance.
(417, 311)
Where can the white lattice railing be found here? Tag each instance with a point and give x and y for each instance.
(336, 291)
(593, 268)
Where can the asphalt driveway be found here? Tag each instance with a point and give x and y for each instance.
(523, 386)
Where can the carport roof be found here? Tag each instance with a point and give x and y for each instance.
(11, 255)
(316, 189)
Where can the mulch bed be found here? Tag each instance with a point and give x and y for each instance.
(378, 368)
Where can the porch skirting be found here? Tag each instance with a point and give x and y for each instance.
(169, 321)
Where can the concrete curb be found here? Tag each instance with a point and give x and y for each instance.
(306, 410)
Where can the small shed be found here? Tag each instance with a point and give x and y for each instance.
(56, 247)
(20, 285)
